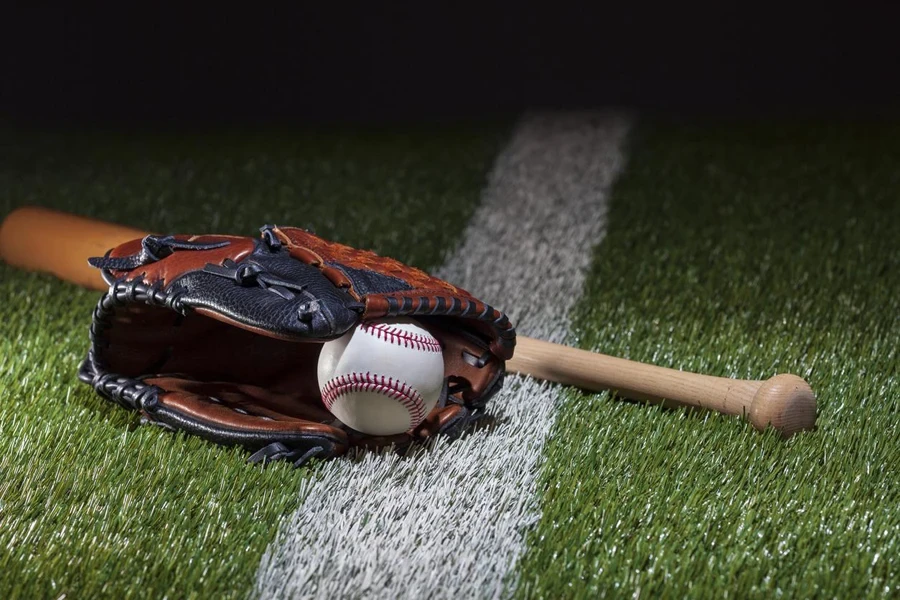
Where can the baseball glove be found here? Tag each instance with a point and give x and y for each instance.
(218, 336)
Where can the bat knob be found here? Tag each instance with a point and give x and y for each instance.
(786, 402)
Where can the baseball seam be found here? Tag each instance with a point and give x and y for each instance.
(407, 339)
(370, 382)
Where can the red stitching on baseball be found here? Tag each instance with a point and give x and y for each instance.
(369, 382)
(407, 339)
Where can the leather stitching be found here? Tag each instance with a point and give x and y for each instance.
(394, 335)
(370, 382)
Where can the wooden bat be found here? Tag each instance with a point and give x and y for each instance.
(44, 240)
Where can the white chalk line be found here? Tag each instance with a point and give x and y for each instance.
(450, 519)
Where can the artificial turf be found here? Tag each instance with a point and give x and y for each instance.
(741, 250)
(94, 505)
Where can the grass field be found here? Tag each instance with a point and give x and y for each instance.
(741, 250)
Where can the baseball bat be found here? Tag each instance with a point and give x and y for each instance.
(44, 240)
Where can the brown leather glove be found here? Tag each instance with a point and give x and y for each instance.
(218, 336)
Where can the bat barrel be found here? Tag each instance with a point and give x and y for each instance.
(44, 240)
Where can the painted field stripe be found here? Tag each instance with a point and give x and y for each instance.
(450, 520)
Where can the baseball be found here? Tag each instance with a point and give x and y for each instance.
(382, 377)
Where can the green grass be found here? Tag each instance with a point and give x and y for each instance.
(741, 251)
(94, 505)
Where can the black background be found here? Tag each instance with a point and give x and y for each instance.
(318, 64)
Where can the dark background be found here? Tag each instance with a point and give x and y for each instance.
(317, 64)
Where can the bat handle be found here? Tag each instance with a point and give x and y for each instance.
(785, 402)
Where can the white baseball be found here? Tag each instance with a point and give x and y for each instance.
(382, 377)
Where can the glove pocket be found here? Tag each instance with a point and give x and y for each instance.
(246, 415)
